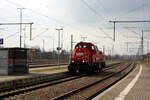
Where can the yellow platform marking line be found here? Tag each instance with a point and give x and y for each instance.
(48, 69)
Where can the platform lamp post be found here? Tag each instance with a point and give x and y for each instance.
(59, 48)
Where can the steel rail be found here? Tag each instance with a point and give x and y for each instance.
(20, 90)
(100, 91)
(69, 94)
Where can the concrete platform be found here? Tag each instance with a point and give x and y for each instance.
(136, 86)
(35, 75)
(34, 72)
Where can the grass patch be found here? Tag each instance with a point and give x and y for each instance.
(48, 69)
(111, 62)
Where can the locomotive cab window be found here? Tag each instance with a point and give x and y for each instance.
(85, 46)
(96, 48)
(93, 48)
(81, 46)
(78, 46)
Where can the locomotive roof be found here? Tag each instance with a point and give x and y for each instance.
(89, 43)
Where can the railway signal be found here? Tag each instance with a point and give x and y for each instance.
(58, 48)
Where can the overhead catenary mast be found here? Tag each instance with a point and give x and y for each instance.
(20, 25)
(59, 48)
(114, 22)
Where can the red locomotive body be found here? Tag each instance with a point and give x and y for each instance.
(86, 57)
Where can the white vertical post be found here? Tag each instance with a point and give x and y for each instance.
(21, 25)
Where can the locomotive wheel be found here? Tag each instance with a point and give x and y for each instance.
(74, 69)
(103, 65)
(71, 69)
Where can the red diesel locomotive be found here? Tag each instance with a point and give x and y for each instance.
(86, 57)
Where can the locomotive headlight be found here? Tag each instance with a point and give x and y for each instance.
(83, 61)
(72, 61)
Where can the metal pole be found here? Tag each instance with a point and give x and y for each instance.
(58, 45)
(53, 46)
(62, 39)
(25, 37)
(112, 52)
(147, 51)
(103, 49)
(21, 25)
(30, 31)
(127, 47)
(114, 30)
(71, 43)
(142, 44)
(126, 22)
(43, 45)
(58, 48)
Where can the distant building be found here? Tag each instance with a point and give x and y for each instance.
(147, 58)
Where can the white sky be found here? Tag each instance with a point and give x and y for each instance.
(82, 18)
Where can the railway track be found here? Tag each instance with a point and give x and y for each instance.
(88, 92)
(17, 91)
(57, 80)
(50, 65)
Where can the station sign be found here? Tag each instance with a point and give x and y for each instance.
(1, 41)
